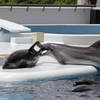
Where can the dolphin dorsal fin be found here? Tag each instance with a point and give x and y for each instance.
(96, 44)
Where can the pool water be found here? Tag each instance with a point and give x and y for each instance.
(47, 90)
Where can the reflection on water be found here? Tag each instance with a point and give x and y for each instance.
(49, 90)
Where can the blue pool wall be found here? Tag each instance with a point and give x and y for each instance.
(66, 29)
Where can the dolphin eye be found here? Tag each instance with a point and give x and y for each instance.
(44, 52)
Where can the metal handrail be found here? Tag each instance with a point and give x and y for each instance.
(45, 5)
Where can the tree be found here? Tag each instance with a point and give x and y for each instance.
(39, 1)
(70, 1)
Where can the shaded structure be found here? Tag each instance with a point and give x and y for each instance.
(93, 1)
(95, 12)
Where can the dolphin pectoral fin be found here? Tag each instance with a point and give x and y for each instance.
(61, 62)
(30, 66)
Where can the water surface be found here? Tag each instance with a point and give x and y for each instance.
(47, 90)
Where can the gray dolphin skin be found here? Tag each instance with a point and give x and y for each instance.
(85, 82)
(26, 58)
(72, 55)
(82, 88)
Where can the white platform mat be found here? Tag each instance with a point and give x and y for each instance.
(46, 69)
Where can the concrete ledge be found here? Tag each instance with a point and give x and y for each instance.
(22, 40)
(75, 39)
(39, 36)
(72, 39)
(6, 37)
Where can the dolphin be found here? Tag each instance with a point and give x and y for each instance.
(85, 82)
(82, 88)
(26, 58)
(73, 55)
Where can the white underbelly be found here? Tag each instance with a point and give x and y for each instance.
(81, 62)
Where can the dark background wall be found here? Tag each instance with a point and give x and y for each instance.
(95, 16)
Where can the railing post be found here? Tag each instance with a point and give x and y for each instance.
(39, 36)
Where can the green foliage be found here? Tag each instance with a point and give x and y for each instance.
(39, 1)
(70, 1)
(46, 2)
(59, 1)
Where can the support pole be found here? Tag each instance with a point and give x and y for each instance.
(39, 36)
(81, 2)
(98, 3)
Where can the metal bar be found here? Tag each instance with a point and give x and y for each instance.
(75, 8)
(43, 9)
(46, 5)
(59, 9)
(11, 8)
(27, 8)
